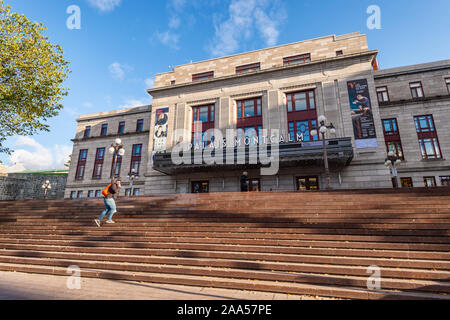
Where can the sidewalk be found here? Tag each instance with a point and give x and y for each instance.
(21, 286)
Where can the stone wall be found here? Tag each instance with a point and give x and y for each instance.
(19, 186)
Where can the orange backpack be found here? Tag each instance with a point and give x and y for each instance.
(106, 191)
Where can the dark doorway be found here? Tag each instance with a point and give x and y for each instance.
(308, 183)
(200, 187)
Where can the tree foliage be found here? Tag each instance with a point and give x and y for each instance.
(32, 73)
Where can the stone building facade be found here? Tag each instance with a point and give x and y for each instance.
(284, 90)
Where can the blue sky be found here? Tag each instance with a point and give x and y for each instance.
(122, 44)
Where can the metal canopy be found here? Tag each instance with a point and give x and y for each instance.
(302, 154)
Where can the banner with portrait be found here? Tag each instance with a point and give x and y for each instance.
(161, 129)
(362, 115)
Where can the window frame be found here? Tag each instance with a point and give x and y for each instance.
(121, 129)
(245, 123)
(444, 178)
(203, 76)
(136, 157)
(104, 130)
(87, 132)
(297, 59)
(253, 67)
(427, 135)
(433, 179)
(82, 160)
(447, 84)
(210, 124)
(99, 161)
(140, 125)
(414, 89)
(387, 94)
(406, 179)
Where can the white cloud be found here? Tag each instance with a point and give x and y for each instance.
(105, 5)
(174, 22)
(116, 70)
(169, 39)
(133, 103)
(149, 83)
(88, 105)
(246, 17)
(34, 156)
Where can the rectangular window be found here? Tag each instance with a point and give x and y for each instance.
(406, 182)
(206, 116)
(81, 166)
(447, 83)
(136, 192)
(299, 129)
(445, 181)
(121, 128)
(301, 101)
(249, 120)
(383, 94)
(140, 125)
(430, 182)
(307, 183)
(118, 166)
(73, 195)
(339, 53)
(249, 108)
(87, 132)
(127, 192)
(104, 130)
(303, 58)
(136, 158)
(98, 193)
(80, 195)
(91, 194)
(416, 90)
(428, 139)
(248, 68)
(200, 187)
(392, 137)
(202, 76)
(98, 165)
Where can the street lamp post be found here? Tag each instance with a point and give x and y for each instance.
(392, 161)
(323, 129)
(116, 150)
(133, 175)
(46, 186)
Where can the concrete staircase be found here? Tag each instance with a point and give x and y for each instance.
(317, 244)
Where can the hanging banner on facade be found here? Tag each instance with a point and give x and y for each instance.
(362, 115)
(161, 129)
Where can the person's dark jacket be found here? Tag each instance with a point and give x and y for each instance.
(244, 185)
(113, 191)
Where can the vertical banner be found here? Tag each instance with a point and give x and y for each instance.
(161, 129)
(362, 115)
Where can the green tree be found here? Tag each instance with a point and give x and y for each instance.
(32, 73)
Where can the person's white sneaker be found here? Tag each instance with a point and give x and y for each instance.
(110, 222)
(97, 222)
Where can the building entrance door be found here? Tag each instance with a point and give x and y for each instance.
(308, 183)
(200, 187)
(254, 185)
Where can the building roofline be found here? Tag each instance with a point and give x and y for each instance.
(114, 113)
(412, 69)
(335, 37)
(250, 74)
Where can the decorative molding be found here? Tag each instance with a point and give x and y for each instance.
(205, 101)
(301, 86)
(247, 94)
(414, 101)
(111, 136)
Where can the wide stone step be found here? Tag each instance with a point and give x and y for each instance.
(354, 248)
(217, 282)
